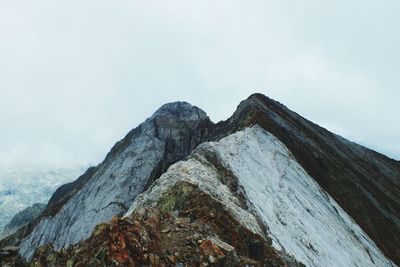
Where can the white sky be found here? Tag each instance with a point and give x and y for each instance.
(76, 76)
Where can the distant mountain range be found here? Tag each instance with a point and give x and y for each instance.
(22, 188)
(264, 188)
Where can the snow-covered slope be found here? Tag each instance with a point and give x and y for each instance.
(21, 188)
(302, 218)
(169, 135)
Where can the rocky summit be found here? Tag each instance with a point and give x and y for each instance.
(264, 188)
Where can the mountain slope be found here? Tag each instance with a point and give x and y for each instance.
(365, 184)
(302, 218)
(249, 190)
(169, 135)
(192, 201)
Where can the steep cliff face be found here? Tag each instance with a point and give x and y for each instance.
(109, 189)
(293, 187)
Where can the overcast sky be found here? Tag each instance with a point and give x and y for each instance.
(76, 76)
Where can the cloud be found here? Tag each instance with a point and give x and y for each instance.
(76, 76)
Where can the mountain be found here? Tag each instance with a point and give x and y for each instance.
(266, 187)
(247, 179)
(131, 166)
(365, 183)
(21, 188)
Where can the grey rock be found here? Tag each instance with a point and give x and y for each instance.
(274, 185)
(131, 165)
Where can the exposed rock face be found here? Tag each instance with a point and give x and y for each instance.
(301, 217)
(23, 217)
(349, 193)
(193, 214)
(109, 189)
(365, 184)
(243, 200)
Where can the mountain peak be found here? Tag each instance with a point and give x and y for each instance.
(182, 110)
(259, 96)
(262, 102)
